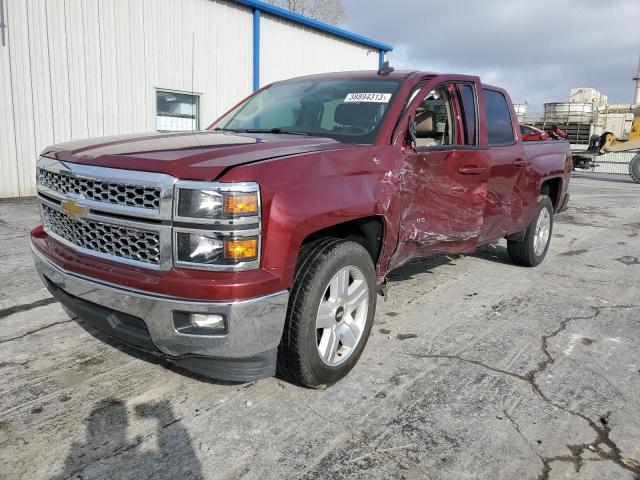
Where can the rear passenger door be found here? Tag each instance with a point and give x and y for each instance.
(507, 181)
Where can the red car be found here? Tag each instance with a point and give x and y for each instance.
(532, 134)
(263, 240)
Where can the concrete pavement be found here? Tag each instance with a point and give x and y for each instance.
(475, 369)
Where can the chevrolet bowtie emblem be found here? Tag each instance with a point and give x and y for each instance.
(72, 208)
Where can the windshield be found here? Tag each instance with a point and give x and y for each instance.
(348, 110)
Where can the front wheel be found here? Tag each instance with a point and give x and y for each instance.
(531, 250)
(330, 314)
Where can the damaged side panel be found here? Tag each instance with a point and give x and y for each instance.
(441, 205)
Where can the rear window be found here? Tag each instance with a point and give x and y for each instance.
(499, 124)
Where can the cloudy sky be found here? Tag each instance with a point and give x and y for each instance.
(537, 49)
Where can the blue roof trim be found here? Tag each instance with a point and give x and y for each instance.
(297, 18)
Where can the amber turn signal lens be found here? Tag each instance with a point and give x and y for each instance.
(241, 204)
(245, 249)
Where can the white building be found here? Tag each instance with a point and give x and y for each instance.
(588, 95)
(72, 69)
(521, 110)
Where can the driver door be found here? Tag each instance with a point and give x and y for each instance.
(444, 174)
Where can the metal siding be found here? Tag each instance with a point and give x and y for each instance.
(59, 70)
(37, 51)
(228, 79)
(77, 72)
(92, 76)
(290, 50)
(18, 38)
(8, 166)
(110, 98)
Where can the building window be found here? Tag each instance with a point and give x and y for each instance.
(177, 111)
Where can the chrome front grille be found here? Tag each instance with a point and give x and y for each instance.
(120, 215)
(128, 243)
(100, 191)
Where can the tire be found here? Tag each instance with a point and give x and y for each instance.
(528, 252)
(306, 354)
(634, 168)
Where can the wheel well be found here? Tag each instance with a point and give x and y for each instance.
(552, 188)
(367, 231)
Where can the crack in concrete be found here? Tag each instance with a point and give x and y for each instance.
(576, 451)
(30, 332)
(371, 448)
(5, 312)
(602, 431)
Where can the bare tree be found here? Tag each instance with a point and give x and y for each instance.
(328, 11)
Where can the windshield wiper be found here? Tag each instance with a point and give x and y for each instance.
(273, 130)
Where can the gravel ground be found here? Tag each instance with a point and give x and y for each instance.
(475, 369)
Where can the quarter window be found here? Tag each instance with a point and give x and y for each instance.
(177, 111)
(499, 124)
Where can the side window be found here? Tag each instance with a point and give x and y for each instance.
(467, 100)
(434, 119)
(499, 124)
(525, 130)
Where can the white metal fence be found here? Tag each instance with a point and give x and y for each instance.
(616, 162)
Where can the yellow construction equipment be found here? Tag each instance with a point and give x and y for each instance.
(609, 142)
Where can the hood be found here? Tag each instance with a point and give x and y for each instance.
(203, 155)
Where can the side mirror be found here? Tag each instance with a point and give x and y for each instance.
(411, 134)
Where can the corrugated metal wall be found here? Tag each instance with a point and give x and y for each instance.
(72, 69)
(289, 50)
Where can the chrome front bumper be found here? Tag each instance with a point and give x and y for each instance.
(254, 326)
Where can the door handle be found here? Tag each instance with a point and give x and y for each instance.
(519, 163)
(471, 170)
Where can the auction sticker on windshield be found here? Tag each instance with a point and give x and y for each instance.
(368, 97)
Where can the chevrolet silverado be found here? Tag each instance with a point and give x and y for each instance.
(259, 244)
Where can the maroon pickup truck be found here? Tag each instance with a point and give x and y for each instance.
(259, 244)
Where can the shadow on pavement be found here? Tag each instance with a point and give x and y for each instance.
(406, 272)
(493, 253)
(108, 452)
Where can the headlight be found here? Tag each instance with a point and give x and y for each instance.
(227, 203)
(213, 248)
(217, 225)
